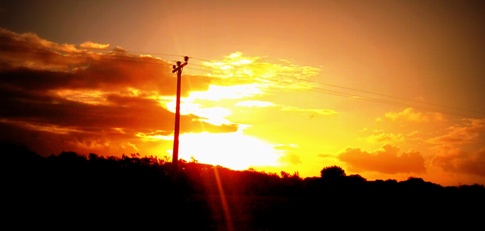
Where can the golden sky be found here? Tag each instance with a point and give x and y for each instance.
(383, 89)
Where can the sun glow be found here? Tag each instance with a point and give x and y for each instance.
(216, 92)
(250, 78)
(214, 115)
(233, 150)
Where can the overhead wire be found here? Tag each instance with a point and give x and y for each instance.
(370, 97)
(400, 100)
(352, 93)
(376, 97)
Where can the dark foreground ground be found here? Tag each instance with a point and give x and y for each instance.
(204, 212)
(71, 192)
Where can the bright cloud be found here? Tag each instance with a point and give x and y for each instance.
(283, 75)
(215, 92)
(254, 103)
(311, 111)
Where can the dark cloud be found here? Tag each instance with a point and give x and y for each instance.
(36, 74)
(28, 61)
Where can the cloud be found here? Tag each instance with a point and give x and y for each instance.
(215, 92)
(385, 160)
(93, 45)
(288, 155)
(28, 58)
(462, 148)
(409, 114)
(459, 161)
(468, 132)
(238, 68)
(254, 103)
(266, 104)
(385, 138)
(291, 158)
(312, 111)
(28, 50)
(59, 97)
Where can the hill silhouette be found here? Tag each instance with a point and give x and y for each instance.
(71, 191)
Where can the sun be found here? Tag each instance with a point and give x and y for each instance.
(232, 150)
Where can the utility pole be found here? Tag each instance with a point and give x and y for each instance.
(175, 153)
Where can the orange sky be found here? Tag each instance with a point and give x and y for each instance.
(384, 89)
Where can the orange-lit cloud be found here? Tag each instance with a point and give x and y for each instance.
(238, 68)
(410, 114)
(61, 97)
(386, 138)
(462, 148)
(74, 98)
(385, 160)
(469, 131)
(322, 111)
(463, 162)
(243, 112)
(93, 45)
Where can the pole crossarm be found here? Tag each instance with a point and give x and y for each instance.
(180, 65)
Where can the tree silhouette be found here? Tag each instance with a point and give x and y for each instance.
(332, 173)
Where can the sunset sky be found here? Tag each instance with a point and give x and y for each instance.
(384, 89)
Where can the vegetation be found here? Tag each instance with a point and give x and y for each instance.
(75, 191)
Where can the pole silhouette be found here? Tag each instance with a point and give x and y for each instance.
(175, 153)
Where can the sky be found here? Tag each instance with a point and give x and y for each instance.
(383, 89)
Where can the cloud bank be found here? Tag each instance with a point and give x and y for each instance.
(59, 97)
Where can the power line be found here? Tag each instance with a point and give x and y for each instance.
(125, 56)
(413, 102)
(377, 97)
(391, 100)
